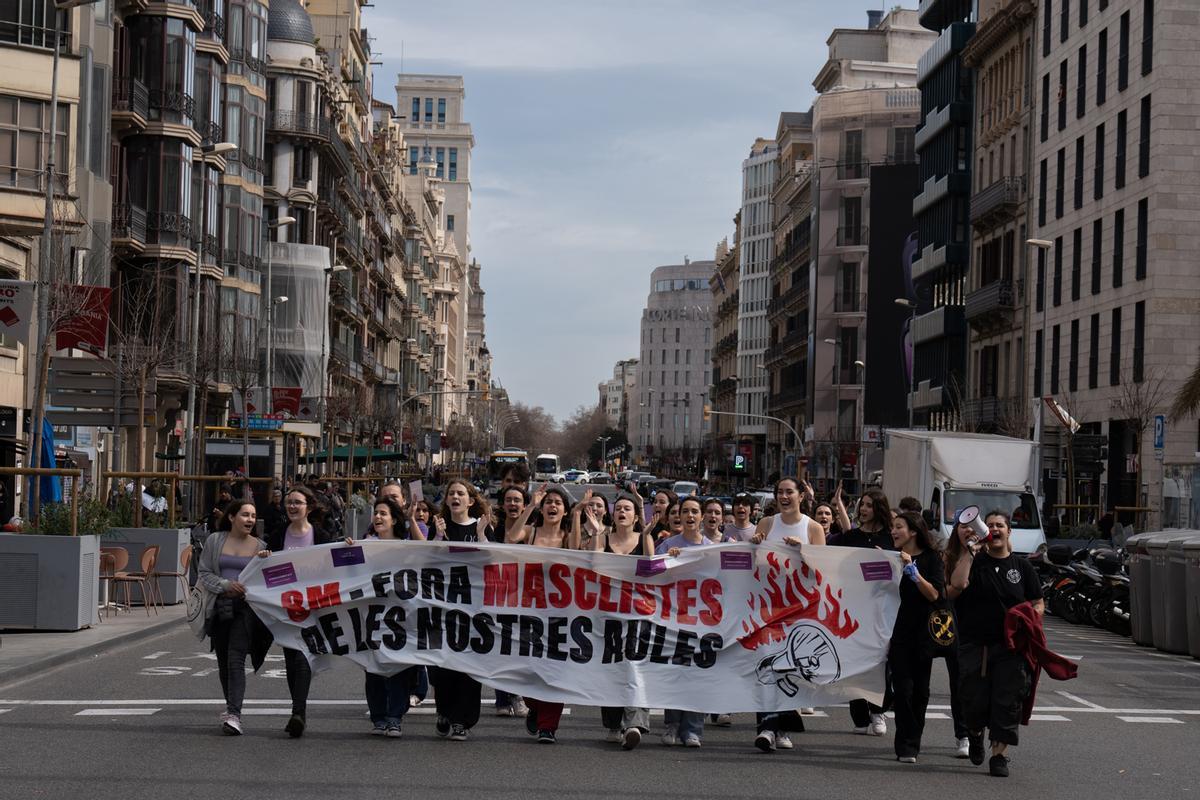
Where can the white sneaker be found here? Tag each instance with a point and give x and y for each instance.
(808, 712)
(631, 739)
(783, 741)
(765, 741)
(962, 748)
(722, 720)
(614, 737)
(878, 726)
(414, 701)
(865, 730)
(907, 759)
(520, 709)
(692, 740)
(670, 738)
(231, 725)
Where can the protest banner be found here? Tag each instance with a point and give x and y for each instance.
(734, 627)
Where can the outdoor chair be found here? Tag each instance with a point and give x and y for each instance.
(185, 560)
(141, 578)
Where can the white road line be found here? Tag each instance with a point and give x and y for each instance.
(159, 654)
(266, 712)
(1080, 700)
(5, 710)
(118, 712)
(1159, 720)
(1047, 718)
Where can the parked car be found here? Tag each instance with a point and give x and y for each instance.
(599, 477)
(684, 488)
(575, 476)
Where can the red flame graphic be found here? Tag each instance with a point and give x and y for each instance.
(789, 596)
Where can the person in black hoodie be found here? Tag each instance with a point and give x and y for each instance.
(873, 530)
(301, 527)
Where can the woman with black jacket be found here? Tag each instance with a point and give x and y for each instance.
(301, 528)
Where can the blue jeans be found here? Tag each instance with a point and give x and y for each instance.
(420, 682)
(387, 697)
(684, 722)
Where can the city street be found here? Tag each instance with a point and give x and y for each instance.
(141, 721)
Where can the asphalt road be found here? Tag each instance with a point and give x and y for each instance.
(141, 722)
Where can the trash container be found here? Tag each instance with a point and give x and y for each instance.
(1191, 552)
(1139, 589)
(1156, 546)
(1176, 630)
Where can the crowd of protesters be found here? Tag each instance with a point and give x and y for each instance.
(954, 599)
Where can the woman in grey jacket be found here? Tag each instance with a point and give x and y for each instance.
(235, 630)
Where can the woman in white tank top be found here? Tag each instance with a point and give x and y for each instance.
(790, 525)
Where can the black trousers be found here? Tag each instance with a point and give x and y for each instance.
(779, 722)
(299, 679)
(231, 640)
(456, 695)
(910, 668)
(950, 654)
(994, 682)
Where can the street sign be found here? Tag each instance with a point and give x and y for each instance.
(1131, 463)
(91, 383)
(1160, 431)
(258, 422)
(387, 438)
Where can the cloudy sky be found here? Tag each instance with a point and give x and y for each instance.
(609, 140)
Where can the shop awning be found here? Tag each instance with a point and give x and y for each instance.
(360, 454)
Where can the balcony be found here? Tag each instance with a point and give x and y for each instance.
(991, 306)
(795, 298)
(984, 413)
(947, 321)
(297, 123)
(128, 227)
(130, 105)
(368, 359)
(787, 346)
(849, 303)
(174, 103)
(951, 41)
(852, 236)
(997, 203)
(852, 170)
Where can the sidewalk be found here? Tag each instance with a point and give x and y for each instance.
(26, 653)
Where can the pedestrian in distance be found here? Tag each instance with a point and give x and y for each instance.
(388, 695)
(302, 528)
(994, 680)
(232, 627)
(465, 517)
(790, 527)
(910, 655)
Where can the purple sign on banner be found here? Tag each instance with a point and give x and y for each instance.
(651, 566)
(876, 570)
(737, 561)
(348, 556)
(279, 575)
(456, 549)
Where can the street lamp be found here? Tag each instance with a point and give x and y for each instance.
(271, 345)
(1043, 246)
(207, 153)
(911, 305)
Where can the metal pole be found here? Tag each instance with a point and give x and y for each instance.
(270, 320)
(912, 368)
(192, 431)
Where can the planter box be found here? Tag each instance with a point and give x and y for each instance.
(49, 582)
(171, 544)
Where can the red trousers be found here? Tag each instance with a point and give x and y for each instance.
(546, 714)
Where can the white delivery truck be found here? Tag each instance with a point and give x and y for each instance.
(949, 471)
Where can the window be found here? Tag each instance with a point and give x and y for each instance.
(1118, 248)
(301, 166)
(1045, 106)
(852, 155)
(904, 150)
(1123, 54)
(1098, 169)
(441, 111)
(1062, 95)
(1144, 142)
(1094, 353)
(29, 22)
(1114, 353)
(1139, 341)
(1042, 180)
(440, 158)
(1041, 280)
(1056, 289)
(23, 156)
(1046, 26)
(412, 160)
(450, 223)
(1097, 231)
(1081, 83)
(1060, 183)
(1064, 22)
(453, 175)
(429, 109)
(1119, 165)
(1079, 173)
(677, 342)
(416, 109)
(1147, 36)
(1102, 68)
(1055, 346)
(1073, 361)
(1143, 226)
(1076, 261)
(1038, 360)
(1083, 12)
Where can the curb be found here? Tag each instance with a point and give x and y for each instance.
(42, 663)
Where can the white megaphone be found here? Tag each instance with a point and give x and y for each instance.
(972, 516)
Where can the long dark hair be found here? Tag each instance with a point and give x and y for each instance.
(880, 507)
(396, 513)
(638, 523)
(917, 525)
(316, 508)
(231, 510)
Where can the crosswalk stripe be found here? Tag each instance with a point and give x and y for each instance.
(5, 710)
(1048, 718)
(1159, 720)
(117, 712)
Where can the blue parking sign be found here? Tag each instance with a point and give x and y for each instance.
(1160, 431)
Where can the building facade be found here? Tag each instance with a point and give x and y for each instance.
(674, 368)
(723, 284)
(616, 392)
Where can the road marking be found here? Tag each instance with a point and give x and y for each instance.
(1047, 718)
(266, 712)
(5, 710)
(159, 654)
(1159, 720)
(1080, 700)
(118, 712)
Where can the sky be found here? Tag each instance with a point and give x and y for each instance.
(608, 141)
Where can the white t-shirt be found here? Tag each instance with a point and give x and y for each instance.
(781, 530)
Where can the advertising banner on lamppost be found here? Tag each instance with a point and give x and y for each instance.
(16, 308)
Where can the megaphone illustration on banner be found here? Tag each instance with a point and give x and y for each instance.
(973, 517)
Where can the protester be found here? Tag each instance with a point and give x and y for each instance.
(515, 511)
(234, 630)
(465, 518)
(664, 501)
(956, 550)
(823, 514)
(873, 530)
(994, 679)
(909, 504)
(742, 529)
(910, 655)
(714, 510)
(224, 498)
(419, 515)
(600, 518)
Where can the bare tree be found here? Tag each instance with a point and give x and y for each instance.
(242, 371)
(965, 412)
(1139, 402)
(340, 407)
(535, 430)
(580, 432)
(1013, 418)
(1187, 401)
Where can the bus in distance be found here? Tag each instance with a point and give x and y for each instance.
(502, 458)
(545, 467)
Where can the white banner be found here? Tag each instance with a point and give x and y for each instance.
(725, 628)
(16, 309)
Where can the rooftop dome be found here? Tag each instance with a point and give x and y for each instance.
(289, 22)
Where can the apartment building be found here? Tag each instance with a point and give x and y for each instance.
(722, 395)
(1115, 297)
(616, 393)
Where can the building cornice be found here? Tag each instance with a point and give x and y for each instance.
(995, 29)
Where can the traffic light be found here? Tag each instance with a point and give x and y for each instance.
(707, 412)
